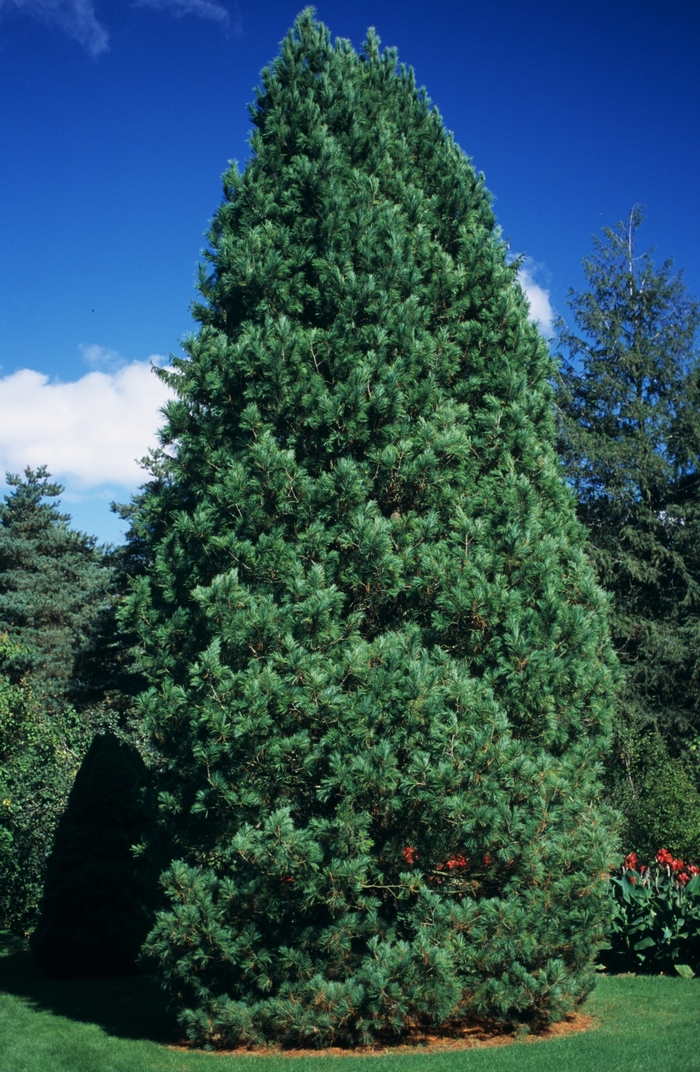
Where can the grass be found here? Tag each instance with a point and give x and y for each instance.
(120, 1025)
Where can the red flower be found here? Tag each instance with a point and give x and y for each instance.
(631, 861)
(666, 859)
(487, 860)
(410, 854)
(456, 862)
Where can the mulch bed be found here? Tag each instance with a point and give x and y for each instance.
(466, 1036)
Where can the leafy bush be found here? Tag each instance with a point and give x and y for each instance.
(656, 917)
(39, 755)
(658, 796)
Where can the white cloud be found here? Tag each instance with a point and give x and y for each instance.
(541, 311)
(89, 432)
(77, 18)
(203, 9)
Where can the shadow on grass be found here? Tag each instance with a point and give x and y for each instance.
(130, 1008)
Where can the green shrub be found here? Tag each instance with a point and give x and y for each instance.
(95, 907)
(380, 669)
(659, 800)
(37, 767)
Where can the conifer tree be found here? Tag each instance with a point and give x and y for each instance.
(380, 673)
(630, 440)
(53, 583)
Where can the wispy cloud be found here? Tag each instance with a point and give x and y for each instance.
(76, 18)
(88, 432)
(101, 357)
(203, 9)
(541, 311)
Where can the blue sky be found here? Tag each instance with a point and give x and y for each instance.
(117, 119)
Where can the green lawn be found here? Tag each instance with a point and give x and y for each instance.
(119, 1026)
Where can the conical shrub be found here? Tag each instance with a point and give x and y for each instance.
(380, 669)
(97, 903)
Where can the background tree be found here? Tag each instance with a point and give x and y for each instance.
(66, 673)
(106, 675)
(379, 661)
(630, 439)
(53, 583)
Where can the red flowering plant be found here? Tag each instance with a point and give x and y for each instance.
(656, 916)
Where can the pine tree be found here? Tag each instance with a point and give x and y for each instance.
(94, 911)
(53, 583)
(630, 439)
(380, 674)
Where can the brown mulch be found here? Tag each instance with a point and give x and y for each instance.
(466, 1036)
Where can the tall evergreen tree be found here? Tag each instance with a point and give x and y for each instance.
(630, 439)
(379, 660)
(53, 582)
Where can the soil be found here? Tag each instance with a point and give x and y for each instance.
(466, 1036)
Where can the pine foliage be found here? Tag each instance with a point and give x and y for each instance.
(379, 660)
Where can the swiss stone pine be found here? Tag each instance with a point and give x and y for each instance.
(379, 663)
